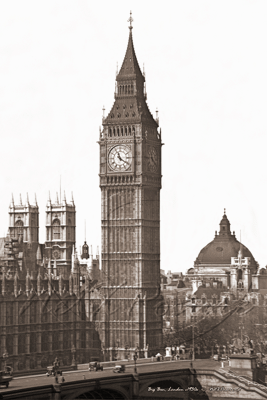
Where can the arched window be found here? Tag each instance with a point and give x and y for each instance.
(126, 131)
(121, 131)
(69, 229)
(56, 229)
(33, 342)
(19, 229)
(44, 341)
(239, 275)
(21, 343)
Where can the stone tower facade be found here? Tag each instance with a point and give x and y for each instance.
(130, 182)
(60, 234)
(24, 221)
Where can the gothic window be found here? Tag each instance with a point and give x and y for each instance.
(203, 300)
(44, 341)
(21, 343)
(33, 312)
(66, 340)
(118, 131)
(19, 229)
(55, 341)
(9, 344)
(22, 314)
(214, 300)
(130, 130)
(131, 89)
(114, 132)
(55, 313)
(44, 314)
(126, 127)
(121, 131)
(66, 310)
(9, 313)
(110, 132)
(69, 229)
(133, 126)
(82, 310)
(83, 339)
(56, 229)
(33, 342)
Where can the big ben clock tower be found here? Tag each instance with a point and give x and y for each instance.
(130, 182)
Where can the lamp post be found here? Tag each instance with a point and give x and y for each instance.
(135, 358)
(127, 351)
(5, 357)
(193, 334)
(73, 351)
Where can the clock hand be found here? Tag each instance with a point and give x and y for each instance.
(119, 157)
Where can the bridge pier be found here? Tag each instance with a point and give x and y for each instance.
(57, 392)
(135, 386)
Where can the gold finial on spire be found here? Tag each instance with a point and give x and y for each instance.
(130, 20)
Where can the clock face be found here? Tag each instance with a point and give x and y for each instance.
(120, 158)
(56, 254)
(153, 160)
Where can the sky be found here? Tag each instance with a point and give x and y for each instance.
(205, 63)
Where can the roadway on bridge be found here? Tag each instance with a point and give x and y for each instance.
(24, 382)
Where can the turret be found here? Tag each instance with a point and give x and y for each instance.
(16, 284)
(60, 284)
(70, 285)
(39, 281)
(28, 283)
(55, 267)
(39, 255)
(3, 283)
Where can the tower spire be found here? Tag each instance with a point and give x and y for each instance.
(130, 20)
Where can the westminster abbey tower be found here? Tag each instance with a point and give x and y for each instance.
(130, 182)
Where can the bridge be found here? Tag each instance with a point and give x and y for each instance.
(155, 380)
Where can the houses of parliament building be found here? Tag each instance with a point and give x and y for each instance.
(45, 307)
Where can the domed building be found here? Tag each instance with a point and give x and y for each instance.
(224, 263)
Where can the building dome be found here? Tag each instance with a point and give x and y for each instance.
(223, 247)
